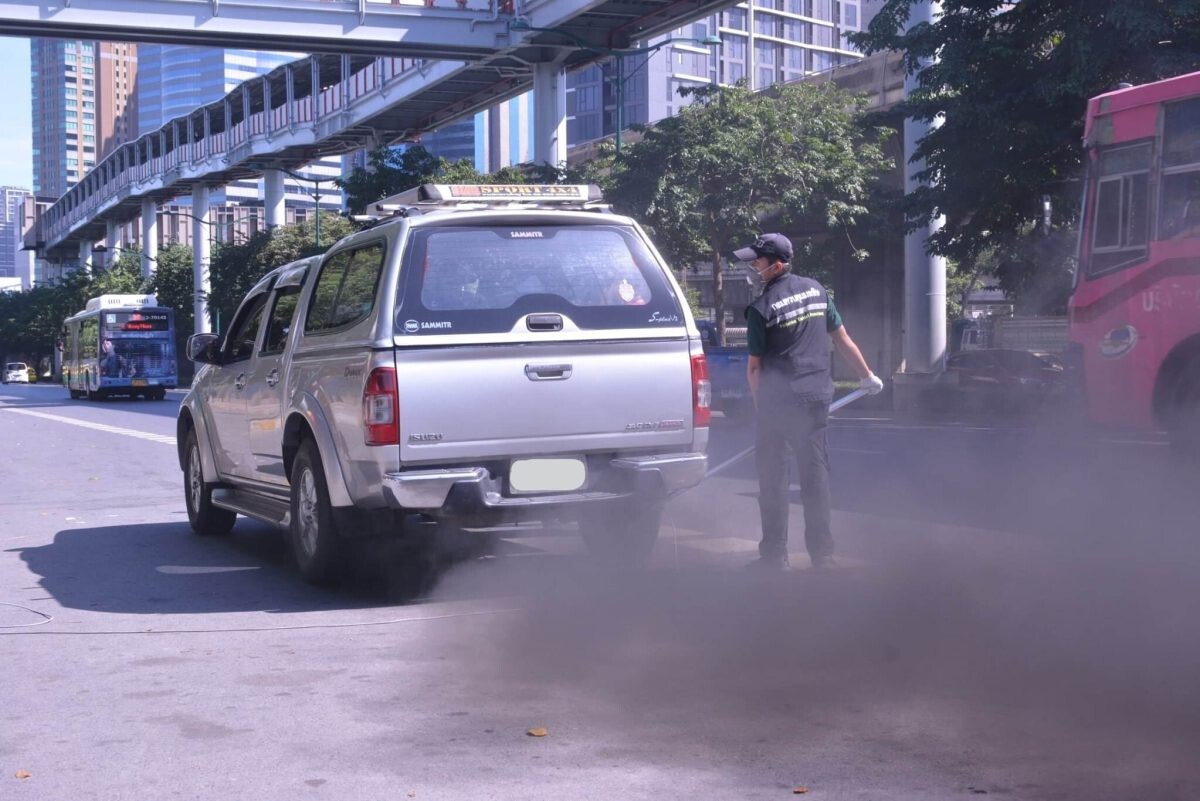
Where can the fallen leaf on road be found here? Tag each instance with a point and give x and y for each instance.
(23, 774)
(799, 790)
(538, 732)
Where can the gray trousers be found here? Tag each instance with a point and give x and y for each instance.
(801, 427)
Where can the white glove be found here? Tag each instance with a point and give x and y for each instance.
(873, 384)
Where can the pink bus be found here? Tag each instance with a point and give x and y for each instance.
(1135, 310)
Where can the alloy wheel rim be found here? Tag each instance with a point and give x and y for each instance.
(308, 512)
(195, 485)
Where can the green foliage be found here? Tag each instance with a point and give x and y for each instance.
(30, 322)
(393, 171)
(704, 181)
(172, 284)
(235, 268)
(1011, 85)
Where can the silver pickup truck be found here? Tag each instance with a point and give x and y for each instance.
(479, 355)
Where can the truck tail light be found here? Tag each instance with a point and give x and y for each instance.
(701, 392)
(381, 407)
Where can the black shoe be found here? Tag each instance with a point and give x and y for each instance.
(775, 564)
(823, 562)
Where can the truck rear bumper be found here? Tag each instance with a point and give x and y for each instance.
(470, 491)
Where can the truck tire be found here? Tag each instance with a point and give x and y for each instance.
(314, 537)
(207, 520)
(621, 534)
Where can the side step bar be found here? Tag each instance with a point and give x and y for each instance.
(273, 509)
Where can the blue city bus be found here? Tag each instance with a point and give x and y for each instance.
(120, 345)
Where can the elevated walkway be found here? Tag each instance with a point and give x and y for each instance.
(333, 104)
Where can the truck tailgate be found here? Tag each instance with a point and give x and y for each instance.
(473, 403)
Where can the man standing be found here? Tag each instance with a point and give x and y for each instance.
(791, 330)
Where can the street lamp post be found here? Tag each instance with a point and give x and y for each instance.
(315, 195)
(619, 62)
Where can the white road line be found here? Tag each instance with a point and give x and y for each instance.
(127, 432)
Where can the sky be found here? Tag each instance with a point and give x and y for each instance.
(16, 136)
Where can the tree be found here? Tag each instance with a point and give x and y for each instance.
(235, 268)
(393, 171)
(703, 180)
(1011, 84)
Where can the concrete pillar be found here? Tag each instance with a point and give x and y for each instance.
(549, 114)
(273, 194)
(149, 237)
(924, 274)
(112, 243)
(85, 256)
(201, 283)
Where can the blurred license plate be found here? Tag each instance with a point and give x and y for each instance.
(547, 475)
(139, 382)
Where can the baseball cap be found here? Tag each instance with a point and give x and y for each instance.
(766, 245)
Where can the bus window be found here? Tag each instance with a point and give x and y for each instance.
(89, 339)
(1181, 133)
(1179, 211)
(1122, 207)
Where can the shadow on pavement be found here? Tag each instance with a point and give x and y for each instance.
(165, 569)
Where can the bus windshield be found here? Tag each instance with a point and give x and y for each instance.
(137, 344)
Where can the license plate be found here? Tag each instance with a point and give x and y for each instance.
(139, 382)
(547, 475)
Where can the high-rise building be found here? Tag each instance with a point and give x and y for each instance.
(762, 43)
(116, 99)
(77, 105)
(13, 199)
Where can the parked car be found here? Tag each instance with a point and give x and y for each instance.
(480, 355)
(16, 373)
(1000, 380)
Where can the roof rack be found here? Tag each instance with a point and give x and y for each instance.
(450, 197)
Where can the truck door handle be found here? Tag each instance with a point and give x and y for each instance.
(240, 381)
(547, 372)
(273, 377)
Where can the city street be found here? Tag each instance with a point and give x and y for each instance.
(1013, 614)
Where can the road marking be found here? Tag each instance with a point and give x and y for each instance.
(127, 432)
(721, 545)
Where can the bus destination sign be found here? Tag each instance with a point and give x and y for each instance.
(137, 321)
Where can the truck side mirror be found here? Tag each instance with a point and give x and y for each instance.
(204, 348)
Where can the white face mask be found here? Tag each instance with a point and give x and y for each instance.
(755, 277)
(762, 274)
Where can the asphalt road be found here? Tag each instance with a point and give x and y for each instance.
(1014, 614)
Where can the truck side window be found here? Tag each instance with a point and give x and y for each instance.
(345, 291)
(282, 314)
(239, 344)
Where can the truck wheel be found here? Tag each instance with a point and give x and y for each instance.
(1183, 424)
(207, 520)
(621, 534)
(313, 534)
